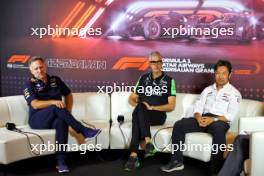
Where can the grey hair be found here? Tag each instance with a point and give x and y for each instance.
(155, 54)
(35, 58)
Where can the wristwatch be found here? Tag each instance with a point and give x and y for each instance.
(216, 119)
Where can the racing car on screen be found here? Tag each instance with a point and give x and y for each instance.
(152, 20)
(150, 26)
(260, 28)
(231, 26)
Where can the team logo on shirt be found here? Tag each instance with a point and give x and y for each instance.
(238, 98)
(163, 82)
(147, 81)
(39, 86)
(26, 93)
(210, 93)
(225, 97)
(53, 83)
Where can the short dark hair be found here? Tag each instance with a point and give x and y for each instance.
(225, 63)
(35, 58)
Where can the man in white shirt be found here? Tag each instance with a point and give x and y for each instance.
(215, 108)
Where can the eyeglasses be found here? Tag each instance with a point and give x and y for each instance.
(155, 62)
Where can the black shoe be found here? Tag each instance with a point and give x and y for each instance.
(213, 173)
(132, 163)
(172, 166)
(149, 150)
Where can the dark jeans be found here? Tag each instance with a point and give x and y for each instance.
(58, 119)
(234, 161)
(217, 129)
(142, 119)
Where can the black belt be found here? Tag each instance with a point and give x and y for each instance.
(210, 115)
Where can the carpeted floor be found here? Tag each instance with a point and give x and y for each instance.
(107, 162)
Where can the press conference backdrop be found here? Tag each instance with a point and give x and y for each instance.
(98, 45)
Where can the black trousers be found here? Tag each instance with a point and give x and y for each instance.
(217, 129)
(234, 161)
(142, 119)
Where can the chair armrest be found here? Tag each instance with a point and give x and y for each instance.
(256, 153)
(251, 124)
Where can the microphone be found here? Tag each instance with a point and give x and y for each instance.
(120, 119)
(11, 127)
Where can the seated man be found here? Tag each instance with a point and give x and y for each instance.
(216, 107)
(155, 95)
(235, 159)
(43, 94)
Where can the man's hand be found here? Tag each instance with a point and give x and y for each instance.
(206, 121)
(133, 99)
(200, 121)
(59, 104)
(203, 121)
(147, 106)
(40, 104)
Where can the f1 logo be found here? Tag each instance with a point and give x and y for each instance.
(141, 63)
(18, 58)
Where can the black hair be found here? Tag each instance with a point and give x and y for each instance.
(225, 63)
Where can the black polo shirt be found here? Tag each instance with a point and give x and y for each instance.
(155, 91)
(37, 89)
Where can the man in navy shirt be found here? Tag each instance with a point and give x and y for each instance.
(155, 94)
(43, 94)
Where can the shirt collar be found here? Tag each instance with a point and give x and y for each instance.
(158, 78)
(38, 80)
(224, 87)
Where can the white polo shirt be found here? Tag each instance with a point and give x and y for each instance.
(224, 102)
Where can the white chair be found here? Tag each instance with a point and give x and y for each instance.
(184, 108)
(93, 108)
(254, 126)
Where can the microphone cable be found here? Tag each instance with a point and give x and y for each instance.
(12, 127)
(155, 135)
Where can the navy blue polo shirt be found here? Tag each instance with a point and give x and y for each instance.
(54, 89)
(155, 91)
